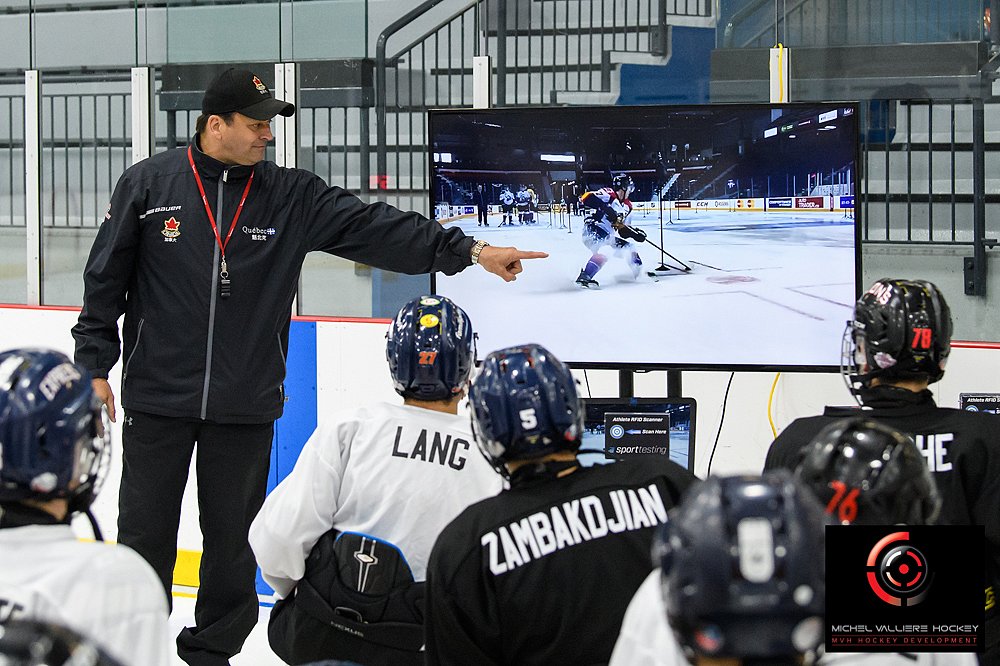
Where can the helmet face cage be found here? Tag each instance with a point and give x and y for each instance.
(849, 366)
(867, 473)
(54, 437)
(524, 404)
(901, 330)
(431, 349)
(93, 460)
(623, 182)
(742, 565)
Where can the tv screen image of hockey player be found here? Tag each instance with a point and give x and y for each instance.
(711, 236)
(648, 426)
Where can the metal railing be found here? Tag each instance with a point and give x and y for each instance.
(920, 183)
(12, 156)
(539, 50)
(85, 148)
(925, 177)
(762, 23)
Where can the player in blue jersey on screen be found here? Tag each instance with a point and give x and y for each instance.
(605, 226)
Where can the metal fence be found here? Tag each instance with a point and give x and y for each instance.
(12, 160)
(542, 52)
(85, 148)
(920, 182)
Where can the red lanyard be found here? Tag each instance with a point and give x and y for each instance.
(211, 218)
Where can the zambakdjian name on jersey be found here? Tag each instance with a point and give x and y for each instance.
(571, 523)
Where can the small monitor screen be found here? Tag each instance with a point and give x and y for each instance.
(616, 428)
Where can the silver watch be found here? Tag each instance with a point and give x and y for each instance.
(476, 249)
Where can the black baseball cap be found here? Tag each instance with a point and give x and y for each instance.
(240, 91)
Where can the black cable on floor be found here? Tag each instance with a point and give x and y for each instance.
(722, 419)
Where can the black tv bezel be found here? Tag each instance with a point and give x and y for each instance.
(626, 403)
(654, 366)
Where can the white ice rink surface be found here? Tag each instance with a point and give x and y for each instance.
(766, 288)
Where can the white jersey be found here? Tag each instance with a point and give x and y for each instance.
(646, 640)
(103, 591)
(507, 198)
(395, 472)
(598, 199)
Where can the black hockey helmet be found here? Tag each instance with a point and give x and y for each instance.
(55, 442)
(524, 405)
(743, 563)
(36, 643)
(431, 349)
(623, 182)
(901, 330)
(864, 472)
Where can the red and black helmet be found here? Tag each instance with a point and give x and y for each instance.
(901, 330)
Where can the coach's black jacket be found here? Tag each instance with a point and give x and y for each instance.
(187, 351)
(543, 572)
(962, 450)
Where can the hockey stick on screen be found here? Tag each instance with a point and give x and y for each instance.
(686, 269)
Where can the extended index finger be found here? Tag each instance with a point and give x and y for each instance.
(525, 254)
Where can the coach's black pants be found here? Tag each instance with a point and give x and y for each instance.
(232, 467)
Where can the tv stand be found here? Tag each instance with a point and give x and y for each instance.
(626, 384)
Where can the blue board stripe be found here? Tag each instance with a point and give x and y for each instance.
(299, 418)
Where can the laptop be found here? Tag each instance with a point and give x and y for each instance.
(616, 428)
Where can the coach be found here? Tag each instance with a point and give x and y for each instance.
(201, 250)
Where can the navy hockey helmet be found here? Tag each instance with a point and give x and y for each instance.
(901, 330)
(623, 182)
(54, 441)
(864, 472)
(524, 405)
(431, 349)
(743, 563)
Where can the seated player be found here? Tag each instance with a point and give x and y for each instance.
(885, 483)
(542, 573)
(605, 226)
(732, 540)
(896, 345)
(866, 473)
(344, 539)
(54, 453)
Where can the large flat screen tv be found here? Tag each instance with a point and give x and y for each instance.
(751, 250)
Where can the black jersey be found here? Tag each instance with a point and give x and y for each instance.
(543, 572)
(962, 450)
